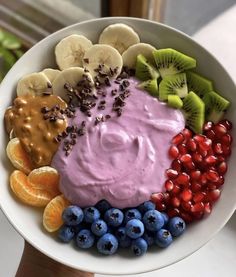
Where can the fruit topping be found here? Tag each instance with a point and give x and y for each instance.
(144, 70)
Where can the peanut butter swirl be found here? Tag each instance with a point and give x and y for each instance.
(35, 129)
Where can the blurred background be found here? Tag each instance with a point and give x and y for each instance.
(24, 22)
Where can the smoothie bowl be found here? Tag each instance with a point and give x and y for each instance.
(119, 137)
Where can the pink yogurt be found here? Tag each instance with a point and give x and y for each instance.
(122, 160)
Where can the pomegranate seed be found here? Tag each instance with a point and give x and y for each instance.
(157, 197)
(212, 175)
(183, 179)
(169, 185)
(211, 186)
(173, 152)
(202, 152)
(175, 202)
(213, 195)
(195, 186)
(199, 138)
(197, 158)
(217, 148)
(161, 207)
(199, 197)
(205, 145)
(207, 126)
(222, 168)
(186, 195)
(226, 150)
(166, 196)
(173, 212)
(182, 149)
(186, 217)
(186, 205)
(198, 207)
(187, 134)
(211, 160)
(175, 190)
(228, 125)
(176, 165)
(198, 215)
(191, 145)
(171, 173)
(220, 130)
(220, 182)
(195, 175)
(186, 158)
(203, 178)
(226, 140)
(190, 166)
(210, 134)
(208, 208)
(179, 138)
(221, 159)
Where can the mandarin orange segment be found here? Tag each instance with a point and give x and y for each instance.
(45, 178)
(18, 156)
(27, 193)
(52, 216)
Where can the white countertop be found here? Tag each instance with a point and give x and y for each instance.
(218, 257)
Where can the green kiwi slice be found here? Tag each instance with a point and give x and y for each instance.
(216, 106)
(194, 111)
(150, 86)
(173, 84)
(144, 70)
(198, 83)
(174, 101)
(170, 61)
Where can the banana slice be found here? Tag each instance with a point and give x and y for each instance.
(130, 55)
(70, 76)
(105, 55)
(70, 51)
(51, 73)
(119, 36)
(33, 84)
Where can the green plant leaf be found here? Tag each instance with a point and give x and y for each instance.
(18, 53)
(8, 60)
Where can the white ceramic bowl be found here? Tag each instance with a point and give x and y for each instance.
(28, 221)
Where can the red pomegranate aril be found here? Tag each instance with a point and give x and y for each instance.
(203, 179)
(220, 182)
(176, 190)
(182, 149)
(171, 173)
(161, 207)
(179, 138)
(221, 158)
(210, 134)
(220, 130)
(213, 195)
(226, 150)
(187, 134)
(195, 187)
(226, 140)
(211, 160)
(169, 185)
(189, 166)
(195, 175)
(183, 179)
(205, 145)
(228, 124)
(222, 168)
(173, 212)
(212, 175)
(186, 217)
(157, 197)
(186, 205)
(173, 152)
(198, 215)
(211, 186)
(166, 196)
(197, 158)
(186, 158)
(199, 197)
(175, 201)
(186, 195)
(176, 165)
(207, 126)
(202, 152)
(207, 208)
(199, 138)
(191, 145)
(198, 207)
(217, 148)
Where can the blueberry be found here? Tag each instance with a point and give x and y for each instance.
(123, 240)
(131, 214)
(146, 206)
(91, 214)
(103, 206)
(85, 239)
(165, 217)
(149, 237)
(176, 226)
(163, 238)
(66, 233)
(72, 215)
(99, 227)
(107, 244)
(134, 228)
(153, 220)
(139, 247)
(114, 217)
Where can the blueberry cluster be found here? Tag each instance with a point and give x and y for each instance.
(110, 228)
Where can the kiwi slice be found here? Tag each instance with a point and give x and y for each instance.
(150, 86)
(198, 84)
(194, 111)
(174, 101)
(170, 61)
(173, 84)
(216, 106)
(144, 70)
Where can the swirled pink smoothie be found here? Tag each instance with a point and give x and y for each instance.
(123, 159)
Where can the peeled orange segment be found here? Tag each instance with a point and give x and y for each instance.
(52, 216)
(18, 156)
(26, 192)
(45, 178)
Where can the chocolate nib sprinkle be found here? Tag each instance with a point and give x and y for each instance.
(86, 60)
